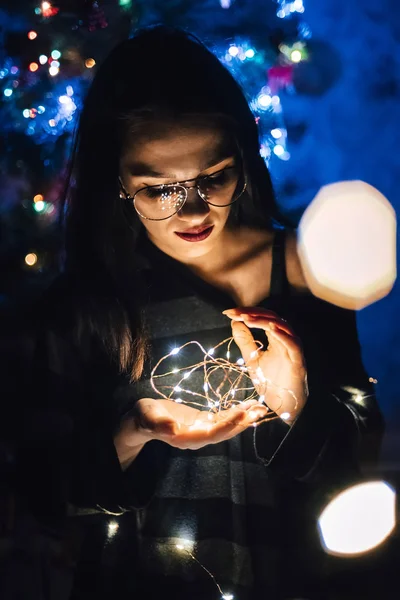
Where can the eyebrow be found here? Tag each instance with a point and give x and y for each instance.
(141, 169)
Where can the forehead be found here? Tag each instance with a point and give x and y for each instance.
(178, 148)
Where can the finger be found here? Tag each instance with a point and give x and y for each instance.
(154, 418)
(203, 432)
(254, 310)
(291, 344)
(244, 340)
(265, 322)
(257, 413)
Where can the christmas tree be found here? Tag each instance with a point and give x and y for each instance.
(49, 54)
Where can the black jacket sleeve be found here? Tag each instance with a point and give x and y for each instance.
(57, 427)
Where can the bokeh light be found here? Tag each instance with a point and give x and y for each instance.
(358, 519)
(31, 259)
(347, 244)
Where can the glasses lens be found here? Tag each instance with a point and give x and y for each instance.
(222, 188)
(159, 202)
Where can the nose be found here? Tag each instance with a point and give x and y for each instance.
(194, 208)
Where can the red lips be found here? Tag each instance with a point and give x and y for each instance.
(194, 230)
(195, 234)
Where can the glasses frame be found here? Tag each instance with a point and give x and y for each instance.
(182, 185)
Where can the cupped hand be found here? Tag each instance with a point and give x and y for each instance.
(279, 373)
(185, 427)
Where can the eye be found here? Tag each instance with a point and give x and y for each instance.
(152, 192)
(221, 178)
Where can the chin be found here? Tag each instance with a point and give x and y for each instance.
(189, 250)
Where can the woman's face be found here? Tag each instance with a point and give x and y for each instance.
(179, 153)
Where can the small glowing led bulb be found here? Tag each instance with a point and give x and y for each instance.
(285, 416)
(184, 544)
(112, 528)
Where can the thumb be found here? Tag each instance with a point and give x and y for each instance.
(153, 417)
(243, 339)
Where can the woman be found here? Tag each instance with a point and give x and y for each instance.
(173, 235)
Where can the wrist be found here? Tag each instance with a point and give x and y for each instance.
(128, 442)
(126, 453)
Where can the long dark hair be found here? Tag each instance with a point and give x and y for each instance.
(159, 72)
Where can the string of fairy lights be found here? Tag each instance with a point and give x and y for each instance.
(225, 384)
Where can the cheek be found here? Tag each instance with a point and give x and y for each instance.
(156, 229)
(223, 214)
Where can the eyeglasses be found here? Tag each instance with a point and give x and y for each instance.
(160, 202)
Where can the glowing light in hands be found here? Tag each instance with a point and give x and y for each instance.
(225, 384)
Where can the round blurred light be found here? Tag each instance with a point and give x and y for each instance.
(70, 90)
(347, 244)
(43, 59)
(41, 109)
(55, 54)
(54, 71)
(275, 100)
(31, 259)
(233, 50)
(64, 99)
(250, 53)
(265, 151)
(32, 35)
(295, 56)
(358, 519)
(264, 100)
(281, 14)
(39, 206)
(26, 113)
(90, 62)
(52, 123)
(276, 133)
(46, 5)
(33, 67)
(38, 198)
(55, 63)
(279, 150)
(14, 70)
(7, 92)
